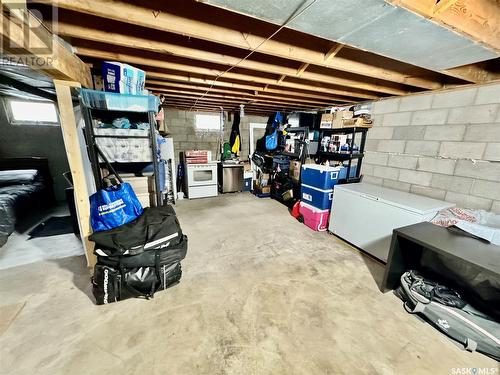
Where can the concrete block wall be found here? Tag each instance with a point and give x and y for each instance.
(444, 145)
(181, 125)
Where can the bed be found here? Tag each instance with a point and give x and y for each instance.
(25, 187)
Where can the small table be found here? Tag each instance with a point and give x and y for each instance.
(409, 243)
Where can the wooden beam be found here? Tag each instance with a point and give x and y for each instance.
(368, 83)
(133, 59)
(219, 83)
(22, 45)
(228, 99)
(333, 51)
(75, 161)
(302, 68)
(177, 86)
(442, 6)
(478, 19)
(137, 15)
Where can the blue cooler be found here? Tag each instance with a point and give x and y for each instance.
(321, 176)
(319, 198)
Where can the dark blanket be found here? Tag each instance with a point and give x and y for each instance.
(19, 190)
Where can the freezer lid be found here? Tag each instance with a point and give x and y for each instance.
(411, 202)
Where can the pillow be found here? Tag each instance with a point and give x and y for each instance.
(19, 177)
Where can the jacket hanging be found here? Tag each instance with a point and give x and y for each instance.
(235, 137)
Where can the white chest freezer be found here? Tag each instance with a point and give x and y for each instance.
(365, 215)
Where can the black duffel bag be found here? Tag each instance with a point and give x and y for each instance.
(120, 277)
(156, 228)
(149, 258)
(112, 285)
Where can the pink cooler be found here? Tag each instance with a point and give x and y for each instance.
(314, 218)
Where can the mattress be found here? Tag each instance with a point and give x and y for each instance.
(18, 190)
(124, 150)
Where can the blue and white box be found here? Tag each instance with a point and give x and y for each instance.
(123, 78)
(319, 198)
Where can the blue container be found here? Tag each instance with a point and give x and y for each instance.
(321, 176)
(119, 102)
(319, 198)
(247, 184)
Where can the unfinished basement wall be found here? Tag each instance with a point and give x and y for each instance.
(444, 145)
(35, 140)
(181, 125)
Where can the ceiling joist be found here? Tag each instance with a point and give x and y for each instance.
(163, 20)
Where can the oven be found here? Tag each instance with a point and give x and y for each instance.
(201, 180)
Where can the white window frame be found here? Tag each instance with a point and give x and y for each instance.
(13, 121)
(219, 127)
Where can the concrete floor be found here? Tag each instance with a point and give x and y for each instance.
(261, 294)
(21, 249)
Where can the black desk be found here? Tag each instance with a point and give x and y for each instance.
(408, 244)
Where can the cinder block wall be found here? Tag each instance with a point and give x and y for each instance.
(445, 145)
(181, 125)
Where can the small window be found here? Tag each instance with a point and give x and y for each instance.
(208, 122)
(24, 112)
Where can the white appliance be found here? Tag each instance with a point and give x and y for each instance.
(201, 180)
(167, 152)
(365, 215)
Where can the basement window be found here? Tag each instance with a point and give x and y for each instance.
(207, 122)
(26, 112)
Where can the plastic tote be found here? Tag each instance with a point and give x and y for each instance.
(314, 218)
(322, 176)
(114, 206)
(318, 198)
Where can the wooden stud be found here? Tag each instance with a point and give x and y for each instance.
(75, 161)
(302, 68)
(333, 51)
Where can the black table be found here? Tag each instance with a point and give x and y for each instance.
(409, 243)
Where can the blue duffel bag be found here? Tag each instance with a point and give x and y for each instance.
(114, 206)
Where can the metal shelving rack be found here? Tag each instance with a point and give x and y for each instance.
(347, 156)
(92, 101)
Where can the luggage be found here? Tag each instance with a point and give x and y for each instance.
(157, 227)
(139, 258)
(281, 162)
(166, 255)
(113, 285)
(444, 309)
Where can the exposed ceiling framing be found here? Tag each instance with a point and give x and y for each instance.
(197, 56)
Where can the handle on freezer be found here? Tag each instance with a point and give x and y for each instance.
(369, 197)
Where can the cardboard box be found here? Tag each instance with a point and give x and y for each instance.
(144, 198)
(357, 122)
(264, 189)
(326, 121)
(141, 185)
(334, 120)
(295, 170)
